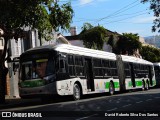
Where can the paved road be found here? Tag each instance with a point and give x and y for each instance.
(140, 103)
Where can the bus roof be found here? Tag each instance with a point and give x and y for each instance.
(84, 51)
(66, 48)
(135, 60)
(156, 64)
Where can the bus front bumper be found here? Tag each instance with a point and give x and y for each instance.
(36, 92)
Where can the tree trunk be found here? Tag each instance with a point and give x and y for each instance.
(3, 72)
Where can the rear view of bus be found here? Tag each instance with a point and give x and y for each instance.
(37, 74)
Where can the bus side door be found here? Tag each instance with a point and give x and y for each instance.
(89, 74)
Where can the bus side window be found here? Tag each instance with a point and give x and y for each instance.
(62, 66)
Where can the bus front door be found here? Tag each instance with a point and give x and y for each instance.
(132, 75)
(150, 75)
(89, 74)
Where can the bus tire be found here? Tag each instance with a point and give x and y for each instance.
(147, 85)
(143, 85)
(111, 88)
(76, 92)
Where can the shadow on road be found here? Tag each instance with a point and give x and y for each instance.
(13, 103)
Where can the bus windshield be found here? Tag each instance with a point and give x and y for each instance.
(37, 68)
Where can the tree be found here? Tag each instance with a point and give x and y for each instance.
(155, 6)
(86, 26)
(93, 37)
(128, 43)
(43, 15)
(151, 54)
(112, 41)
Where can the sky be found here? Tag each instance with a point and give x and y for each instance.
(122, 16)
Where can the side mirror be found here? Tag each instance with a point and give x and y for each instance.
(10, 72)
(15, 67)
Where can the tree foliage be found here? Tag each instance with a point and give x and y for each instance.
(112, 41)
(86, 26)
(93, 37)
(128, 43)
(150, 53)
(155, 6)
(43, 15)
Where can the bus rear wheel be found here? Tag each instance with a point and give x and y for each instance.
(147, 85)
(111, 88)
(76, 92)
(143, 86)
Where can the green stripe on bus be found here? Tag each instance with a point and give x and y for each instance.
(154, 82)
(130, 84)
(116, 85)
(34, 83)
(138, 83)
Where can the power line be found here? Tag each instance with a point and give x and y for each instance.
(94, 20)
(120, 10)
(138, 12)
(124, 18)
(133, 23)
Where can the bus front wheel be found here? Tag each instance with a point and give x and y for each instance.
(76, 92)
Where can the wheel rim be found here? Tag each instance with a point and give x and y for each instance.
(143, 86)
(147, 86)
(111, 89)
(76, 92)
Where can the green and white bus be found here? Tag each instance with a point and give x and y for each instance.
(157, 73)
(70, 70)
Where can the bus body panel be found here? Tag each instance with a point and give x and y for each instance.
(65, 87)
(29, 92)
(94, 71)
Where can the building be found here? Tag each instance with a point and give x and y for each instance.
(15, 49)
(58, 39)
(7, 80)
(74, 39)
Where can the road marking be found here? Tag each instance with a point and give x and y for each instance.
(148, 99)
(112, 109)
(87, 117)
(157, 97)
(127, 105)
(139, 101)
(117, 102)
(119, 99)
